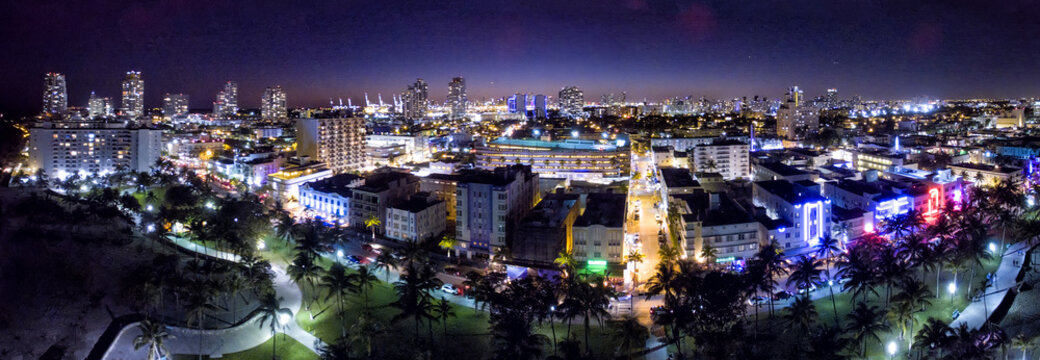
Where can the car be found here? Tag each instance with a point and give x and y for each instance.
(451, 270)
(782, 295)
(450, 289)
(802, 289)
(757, 300)
(654, 311)
(353, 259)
(366, 247)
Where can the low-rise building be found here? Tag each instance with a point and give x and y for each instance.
(329, 198)
(798, 203)
(676, 181)
(418, 219)
(715, 220)
(547, 230)
(381, 190)
(286, 183)
(599, 233)
(982, 174)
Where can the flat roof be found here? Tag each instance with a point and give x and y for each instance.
(603, 209)
(790, 192)
(678, 177)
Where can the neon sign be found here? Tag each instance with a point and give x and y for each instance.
(812, 221)
(893, 207)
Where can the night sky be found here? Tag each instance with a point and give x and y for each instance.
(652, 49)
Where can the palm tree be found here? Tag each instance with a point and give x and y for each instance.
(866, 322)
(589, 300)
(412, 293)
(668, 254)
(513, 338)
(827, 248)
(444, 310)
(801, 313)
(270, 312)
(1023, 344)
(770, 259)
(363, 280)
(197, 303)
(386, 262)
(448, 243)
(629, 335)
(806, 273)
(935, 333)
(339, 350)
(372, 222)
(285, 227)
(565, 260)
(338, 284)
(634, 256)
(666, 281)
(363, 331)
(304, 271)
(709, 253)
(154, 336)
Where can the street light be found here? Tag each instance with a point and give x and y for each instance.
(951, 288)
(260, 245)
(891, 348)
(339, 254)
(992, 247)
(284, 317)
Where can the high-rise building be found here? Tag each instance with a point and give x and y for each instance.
(226, 104)
(175, 105)
(572, 100)
(338, 142)
(457, 97)
(99, 106)
(133, 95)
(272, 104)
(518, 104)
(540, 110)
(55, 97)
(795, 120)
(60, 152)
(490, 204)
(414, 99)
(729, 158)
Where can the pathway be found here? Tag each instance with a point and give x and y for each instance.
(218, 342)
(979, 310)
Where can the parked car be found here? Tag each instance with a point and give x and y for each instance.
(366, 247)
(451, 270)
(803, 289)
(782, 295)
(654, 311)
(353, 259)
(757, 300)
(450, 289)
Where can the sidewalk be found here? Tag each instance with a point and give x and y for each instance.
(976, 314)
(218, 342)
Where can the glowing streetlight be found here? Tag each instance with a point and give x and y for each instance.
(891, 348)
(992, 247)
(83, 188)
(951, 288)
(151, 228)
(284, 318)
(149, 208)
(339, 253)
(260, 245)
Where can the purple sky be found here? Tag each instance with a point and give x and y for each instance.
(652, 49)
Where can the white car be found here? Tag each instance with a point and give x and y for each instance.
(450, 289)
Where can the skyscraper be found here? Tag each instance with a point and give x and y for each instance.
(55, 98)
(518, 104)
(457, 97)
(272, 104)
(540, 110)
(337, 142)
(414, 99)
(133, 95)
(793, 119)
(226, 104)
(99, 106)
(572, 100)
(175, 105)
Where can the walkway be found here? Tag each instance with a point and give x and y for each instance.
(978, 311)
(216, 343)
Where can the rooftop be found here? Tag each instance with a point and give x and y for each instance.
(678, 177)
(984, 167)
(380, 181)
(551, 211)
(603, 209)
(790, 192)
(727, 211)
(782, 169)
(418, 202)
(338, 184)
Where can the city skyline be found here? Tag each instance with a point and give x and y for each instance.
(649, 49)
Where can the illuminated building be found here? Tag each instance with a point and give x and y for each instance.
(381, 191)
(273, 104)
(795, 120)
(572, 159)
(517, 104)
(60, 152)
(457, 100)
(226, 103)
(726, 157)
(986, 174)
(798, 203)
(490, 203)
(337, 142)
(286, 183)
(571, 101)
(98, 107)
(540, 110)
(418, 219)
(133, 95)
(676, 181)
(772, 170)
(55, 96)
(866, 159)
(599, 232)
(329, 198)
(175, 105)
(414, 100)
(714, 219)
(416, 148)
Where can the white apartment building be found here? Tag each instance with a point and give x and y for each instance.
(65, 151)
(418, 219)
(726, 157)
(337, 142)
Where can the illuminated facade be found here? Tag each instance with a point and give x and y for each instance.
(133, 95)
(571, 101)
(457, 100)
(175, 105)
(797, 203)
(489, 204)
(61, 152)
(226, 103)
(338, 142)
(55, 97)
(272, 104)
(414, 100)
(584, 160)
(98, 107)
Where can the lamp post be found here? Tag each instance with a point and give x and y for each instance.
(891, 349)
